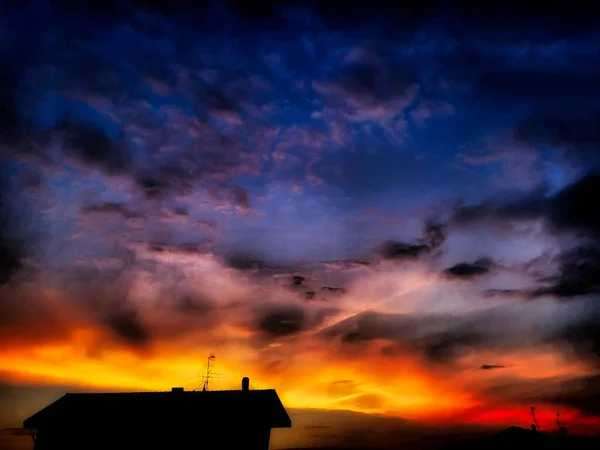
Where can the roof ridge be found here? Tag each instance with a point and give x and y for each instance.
(167, 392)
(74, 407)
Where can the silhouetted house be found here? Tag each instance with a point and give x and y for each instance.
(163, 420)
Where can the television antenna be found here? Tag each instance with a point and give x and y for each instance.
(561, 428)
(208, 375)
(535, 426)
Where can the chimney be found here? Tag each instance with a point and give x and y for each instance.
(177, 389)
(245, 384)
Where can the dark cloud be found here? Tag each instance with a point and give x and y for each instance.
(446, 346)
(192, 247)
(168, 176)
(180, 211)
(323, 314)
(93, 145)
(282, 321)
(371, 325)
(297, 280)
(434, 234)
(582, 335)
(218, 101)
(517, 389)
(101, 125)
(491, 367)
(470, 270)
(194, 304)
(121, 209)
(571, 210)
(433, 238)
(585, 337)
(166, 245)
(371, 82)
(31, 179)
(580, 393)
(244, 261)
(522, 84)
(334, 290)
(441, 339)
(574, 207)
(574, 128)
(94, 281)
(127, 325)
(19, 234)
(151, 185)
(241, 197)
(18, 324)
(10, 120)
(578, 275)
(12, 249)
(531, 206)
(105, 285)
(490, 293)
(561, 18)
(399, 250)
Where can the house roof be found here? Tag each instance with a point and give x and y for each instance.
(261, 407)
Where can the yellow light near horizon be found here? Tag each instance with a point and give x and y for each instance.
(119, 369)
(313, 376)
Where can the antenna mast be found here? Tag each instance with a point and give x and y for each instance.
(561, 428)
(535, 426)
(209, 374)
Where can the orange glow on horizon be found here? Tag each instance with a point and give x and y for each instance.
(320, 380)
(379, 376)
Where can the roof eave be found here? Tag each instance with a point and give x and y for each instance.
(31, 421)
(283, 424)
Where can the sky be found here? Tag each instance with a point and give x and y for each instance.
(386, 216)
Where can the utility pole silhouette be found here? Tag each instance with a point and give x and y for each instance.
(561, 428)
(535, 426)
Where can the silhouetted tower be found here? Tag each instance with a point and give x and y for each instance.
(561, 428)
(207, 377)
(535, 426)
(209, 374)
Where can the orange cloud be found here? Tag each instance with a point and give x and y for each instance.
(147, 333)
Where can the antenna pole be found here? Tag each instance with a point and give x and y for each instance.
(205, 387)
(535, 426)
(209, 374)
(561, 427)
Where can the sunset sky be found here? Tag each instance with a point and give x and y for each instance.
(396, 216)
